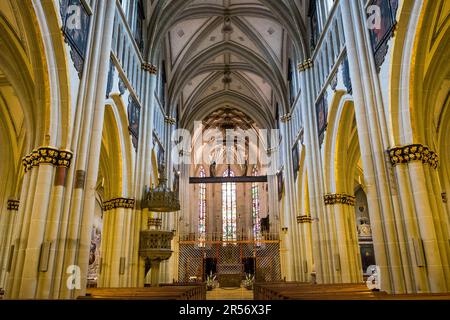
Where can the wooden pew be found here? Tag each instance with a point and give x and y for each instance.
(149, 293)
(200, 292)
(306, 291)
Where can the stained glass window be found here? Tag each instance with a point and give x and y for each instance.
(202, 209)
(256, 208)
(229, 208)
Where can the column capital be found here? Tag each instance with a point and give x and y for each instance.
(13, 205)
(304, 219)
(413, 152)
(118, 203)
(272, 150)
(152, 69)
(47, 155)
(307, 64)
(285, 118)
(170, 120)
(339, 198)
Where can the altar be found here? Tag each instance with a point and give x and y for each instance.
(229, 275)
(232, 280)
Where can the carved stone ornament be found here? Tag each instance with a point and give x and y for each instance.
(47, 155)
(338, 198)
(149, 68)
(118, 203)
(308, 63)
(304, 219)
(413, 152)
(13, 205)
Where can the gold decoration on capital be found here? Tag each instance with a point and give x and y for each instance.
(339, 198)
(13, 205)
(149, 68)
(413, 152)
(304, 219)
(47, 155)
(308, 63)
(118, 203)
(286, 118)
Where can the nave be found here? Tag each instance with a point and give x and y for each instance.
(224, 149)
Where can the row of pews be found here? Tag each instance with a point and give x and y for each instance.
(175, 291)
(351, 291)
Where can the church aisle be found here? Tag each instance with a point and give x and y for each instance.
(229, 294)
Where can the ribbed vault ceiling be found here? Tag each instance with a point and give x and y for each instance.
(217, 51)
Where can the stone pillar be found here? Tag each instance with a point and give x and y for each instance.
(114, 255)
(321, 243)
(373, 140)
(154, 272)
(8, 222)
(291, 194)
(305, 222)
(32, 246)
(143, 173)
(415, 167)
(347, 243)
(289, 205)
(88, 148)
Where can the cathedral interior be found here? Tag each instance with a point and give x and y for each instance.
(212, 149)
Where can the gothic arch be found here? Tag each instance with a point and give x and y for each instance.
(217, 101)
(419, 72)
(116, 154)
(340, 118)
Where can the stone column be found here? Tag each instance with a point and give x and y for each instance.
(370, 124)
(154, 272)
(31, 251)
(114, 255)
(415, 167)
(7, 227)
(143, 172)
(289, 207)
(52, 232)
(347, 260)
(305, 222)
(321, 245)
(88, 148)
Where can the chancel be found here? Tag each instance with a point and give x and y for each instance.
(224, 149)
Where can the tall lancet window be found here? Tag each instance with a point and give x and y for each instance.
(256, 208)
(229, 208)
(202, 209)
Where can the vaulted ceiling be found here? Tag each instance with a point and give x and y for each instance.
(229, 54)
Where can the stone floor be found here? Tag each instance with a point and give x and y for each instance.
(229, 294)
